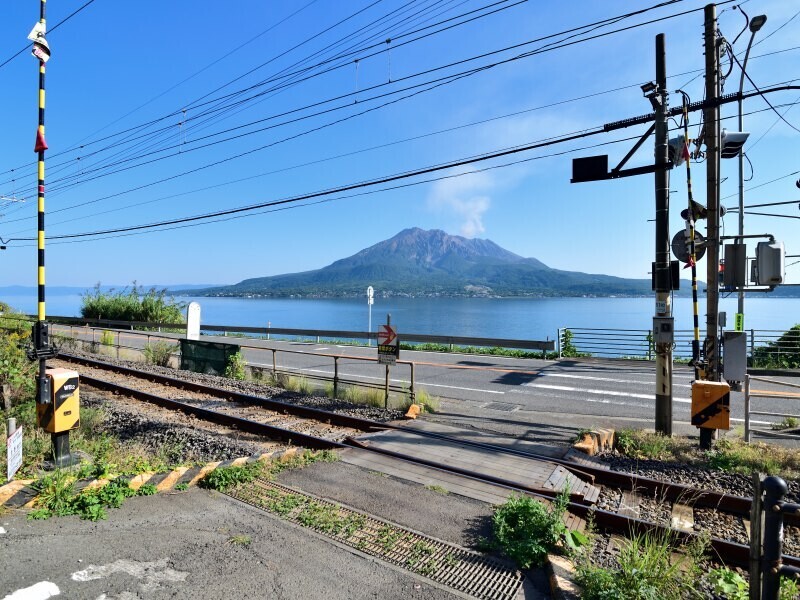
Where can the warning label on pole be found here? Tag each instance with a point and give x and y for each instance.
(388, 345)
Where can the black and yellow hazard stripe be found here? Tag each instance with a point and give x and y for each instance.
(40, 135)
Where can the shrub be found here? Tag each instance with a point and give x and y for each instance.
(783, 353)
(16, 370)
(236, 367)
(132, 305)
(526, 530)
(158, 353)
(107, 338)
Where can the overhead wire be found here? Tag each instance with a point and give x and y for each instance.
(547, 48)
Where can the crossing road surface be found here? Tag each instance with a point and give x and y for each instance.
(567, 390)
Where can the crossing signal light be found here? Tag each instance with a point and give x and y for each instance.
(698, 212)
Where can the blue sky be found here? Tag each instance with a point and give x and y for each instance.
(117, 65)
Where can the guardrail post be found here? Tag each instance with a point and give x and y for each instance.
(413, 393)
(774, 490)
(558, 342)
(335, 377)
(755, 539)
(274, 367)
(753, 347)
(747, 432)
(119, 334)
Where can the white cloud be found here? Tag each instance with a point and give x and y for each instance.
(466, 198)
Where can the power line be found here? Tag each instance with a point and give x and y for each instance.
(277, 76)
(775, 110)
(50, 31)
(546, 48)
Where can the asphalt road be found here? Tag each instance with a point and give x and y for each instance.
(572, 392)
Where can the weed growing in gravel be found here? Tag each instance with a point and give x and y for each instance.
(236, 367)
(647, 568)
(158, 353)
(181, 487)
(526, 529)
(739, 457)
(106, 338)
(438, 489)
(299, 385)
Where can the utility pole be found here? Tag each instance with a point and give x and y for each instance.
(712, 141)
(662, 270)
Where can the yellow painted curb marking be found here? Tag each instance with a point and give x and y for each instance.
(11, 488)
(170, 480)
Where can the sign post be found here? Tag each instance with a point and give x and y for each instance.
(13, 449)
(388, 350)
(370, 301)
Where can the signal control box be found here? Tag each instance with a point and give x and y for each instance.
(711, 404)
(663, 330)
(62, 413)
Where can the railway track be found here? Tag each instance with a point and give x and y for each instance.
(319, 429)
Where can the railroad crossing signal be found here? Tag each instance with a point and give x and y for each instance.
(388, 345)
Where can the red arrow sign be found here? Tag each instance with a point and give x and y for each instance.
(386, 335)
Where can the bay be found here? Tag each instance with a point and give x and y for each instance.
(512, 318)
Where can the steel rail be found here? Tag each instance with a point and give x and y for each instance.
(246, 425)
(272, 404)
(727, 551)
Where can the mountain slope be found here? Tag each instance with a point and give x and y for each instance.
(419, 262)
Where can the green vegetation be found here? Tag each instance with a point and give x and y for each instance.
(148, 489)
(438, 489)
(786, 423)
(181, 487)
(236, 367)
(226, 478)
(158, 353)
(732, 586)
(240, 540)
(728, 454)
(492, 351)
(358, 395)
(57, 497)
(647, 569)
(106, 338)
(17, 372)
(526, 529)
(135, 304)
(783, 353)
(568, 349)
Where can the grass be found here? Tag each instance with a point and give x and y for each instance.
(438, 489)
(57, 497)
(240, 540)
(158, 353)
(729, 454)
(647, 567)
(226, 478)
(786, 423)
(134, 304)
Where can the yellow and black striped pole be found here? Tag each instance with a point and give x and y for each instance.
(41, 341)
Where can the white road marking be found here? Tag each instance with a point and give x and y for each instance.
(152, 574)
(753, 422)
(38, 591)
(564, 388)
(2, 530)
(455, 387)
(325, 348)
(592, 378)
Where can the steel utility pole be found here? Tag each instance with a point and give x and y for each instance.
(662, 271)
(712, 141)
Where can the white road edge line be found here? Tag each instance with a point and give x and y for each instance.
(564, 388)
(609, 379)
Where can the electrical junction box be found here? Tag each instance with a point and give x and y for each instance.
(711, 404)
(770, 261)
(735, 274)
(62, 413)
(663, 330)
(734, 355)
